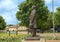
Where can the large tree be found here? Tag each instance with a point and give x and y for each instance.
(25, 10)
(57, 16)
(2, 23)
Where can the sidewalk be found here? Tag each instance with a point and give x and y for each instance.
(41, 40)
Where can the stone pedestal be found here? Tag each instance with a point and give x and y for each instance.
(31, 41)
(33, 38)
(41, 40)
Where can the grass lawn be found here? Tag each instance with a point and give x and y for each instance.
(4, 37)
(50, 36)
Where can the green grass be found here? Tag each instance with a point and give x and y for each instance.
(4, 37)
(52, 38)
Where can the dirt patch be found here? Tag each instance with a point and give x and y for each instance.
(52, 40)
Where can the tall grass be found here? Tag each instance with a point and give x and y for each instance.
(4, 37)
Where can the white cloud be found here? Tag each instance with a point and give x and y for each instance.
(9, 10)
(48, 1)
(49, 4)
(9, 19)
(7, 4)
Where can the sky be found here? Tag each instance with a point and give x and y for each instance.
(8, 9)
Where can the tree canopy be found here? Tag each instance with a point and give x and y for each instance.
(2, 23)
(41, 16)
(57, 16)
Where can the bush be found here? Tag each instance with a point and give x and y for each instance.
(2, 23)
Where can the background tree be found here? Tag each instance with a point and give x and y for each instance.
(41, 16)
(2, 23)
(50, 24)
(57, 17)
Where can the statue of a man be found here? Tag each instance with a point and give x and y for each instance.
(33, 21)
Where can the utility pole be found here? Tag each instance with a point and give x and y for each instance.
(53, 18)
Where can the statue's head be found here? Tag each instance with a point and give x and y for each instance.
(33, 7)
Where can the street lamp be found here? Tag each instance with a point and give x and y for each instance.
(17, 27)
(53, 17)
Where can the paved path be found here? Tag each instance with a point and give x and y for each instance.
(41, 40)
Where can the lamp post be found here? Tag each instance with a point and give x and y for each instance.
(53, 17)
(17, 27)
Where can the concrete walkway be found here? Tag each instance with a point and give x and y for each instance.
(41, 40)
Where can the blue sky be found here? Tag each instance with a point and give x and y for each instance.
(8, 9)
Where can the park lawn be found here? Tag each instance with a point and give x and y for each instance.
(4, 37)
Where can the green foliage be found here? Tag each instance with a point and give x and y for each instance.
(4, 37)
(50, 24)
(57, 17)
(41, 16)
(2, 23)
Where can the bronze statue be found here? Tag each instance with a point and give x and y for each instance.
(33, 21)
(33, 25)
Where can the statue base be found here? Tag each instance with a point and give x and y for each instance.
(33, 38)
